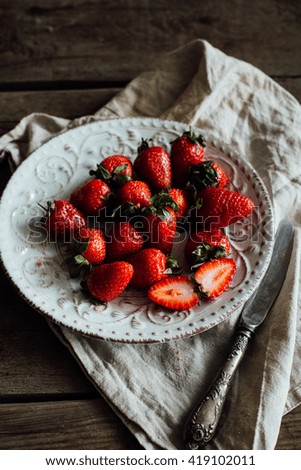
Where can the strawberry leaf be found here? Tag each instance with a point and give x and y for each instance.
(162, 200)
(76, 264)
(120, 168)
(201, 254)
(201, 293)
(101, 173)
(206, 252)
(163, 213)
(149, 210)
(80, 246)
(219, 252)
(198, 140)
(202, 176)
(119, 179)
(116, 179)
(172, 266)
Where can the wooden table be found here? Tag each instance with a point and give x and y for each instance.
(68, 58)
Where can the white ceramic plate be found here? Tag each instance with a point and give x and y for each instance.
(54, 170)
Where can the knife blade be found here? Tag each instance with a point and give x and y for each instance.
(202, 422)
(260, 303)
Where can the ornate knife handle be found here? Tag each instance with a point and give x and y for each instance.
(202, 422)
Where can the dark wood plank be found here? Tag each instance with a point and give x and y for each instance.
(89, 424)
(71, 104)
(114, 41)
(290, 432)
(36, 363)
(33, 360)
(76, 424)
(293, 85)
(68, 104)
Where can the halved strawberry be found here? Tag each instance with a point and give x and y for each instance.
(150, 266)
(91, 197)
(205, 245)
(177, 293)
(153, 165)
(221, 207)
(107, 281)
(213, 277)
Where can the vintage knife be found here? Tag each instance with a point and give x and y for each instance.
(203, 420)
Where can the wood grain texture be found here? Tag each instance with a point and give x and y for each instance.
(68, 424)
(68, 58)
(89, 424)
(63, 40)
(290, 432)
(68, 104)
(35, 363)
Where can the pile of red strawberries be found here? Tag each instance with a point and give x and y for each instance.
(121, 224)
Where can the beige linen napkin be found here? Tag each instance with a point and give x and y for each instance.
(153, 387)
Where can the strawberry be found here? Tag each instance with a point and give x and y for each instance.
(181, 198)
(123, 241)
(113, 162)
(206, 174)
(160, 229)
(213, 277)
(90, 198)
(62, 219)
(107, 281)
(89, 248)
(185, 151)
(153, 165)
(205, 245)
(114, 170)
(222, 177)
(150, 266)
(177, 293)
(221, 207)
(135, 193)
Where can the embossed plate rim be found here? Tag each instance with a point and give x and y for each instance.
(156, 125)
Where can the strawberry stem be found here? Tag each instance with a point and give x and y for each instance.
(50, 207)
(198, 140)
(144, 145)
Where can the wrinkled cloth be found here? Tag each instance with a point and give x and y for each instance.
(153, 387)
